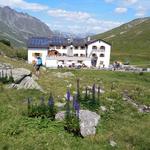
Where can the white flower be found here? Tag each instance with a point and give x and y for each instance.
(103, 108)
(113, 143)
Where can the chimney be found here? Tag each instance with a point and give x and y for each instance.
(89, 38)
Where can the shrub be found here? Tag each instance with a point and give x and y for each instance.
(42, 110)
(91, 99)
(5, 79)
(21, 54)
(72, 115)
(6, 42)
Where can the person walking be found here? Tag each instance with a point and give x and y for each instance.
(38, 65)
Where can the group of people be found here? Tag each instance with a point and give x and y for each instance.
(37, 63)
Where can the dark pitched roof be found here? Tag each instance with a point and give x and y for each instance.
(45, 42)
(79, 42)
(95, 40)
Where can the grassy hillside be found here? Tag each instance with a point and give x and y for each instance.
(130, 42)
(121, 122)
(12, 52)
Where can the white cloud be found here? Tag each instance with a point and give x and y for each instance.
(121, 10)
(22, 4)
(140, 7)
(91, 25)
(69, 15)
(141, 11)
(140, 14)
(79, 22)
(131, 1)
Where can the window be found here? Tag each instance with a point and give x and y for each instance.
(80, 61)
(82, 55)
(101, 62)
(53, 53)
(82, 47)
(76, 47)
(94, 47)
(102, 48)
(64, 47)
(94, 55)
(36, 54)
(101, 55)
(64, 54)
(76, 55)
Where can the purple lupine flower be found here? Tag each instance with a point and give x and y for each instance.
(74, 101)
(51, 101)
(77, 108)
(76, 105)
(68, 95)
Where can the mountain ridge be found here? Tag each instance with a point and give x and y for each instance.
(130, 41)
(18, 27)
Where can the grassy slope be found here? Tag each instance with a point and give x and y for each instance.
(132, 45)
(124, 124)
(13, 52)
(6, 33)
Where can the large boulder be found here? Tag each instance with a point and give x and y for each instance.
(5, 66)
(23, 79)
(27, 83)
(88, 121)
(20, 73)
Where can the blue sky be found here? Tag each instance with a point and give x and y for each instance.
(82, 16)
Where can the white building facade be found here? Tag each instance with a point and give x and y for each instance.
(92, 53)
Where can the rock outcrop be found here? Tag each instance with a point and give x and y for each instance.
(27, 83)
(63, 75)
(23, 80)
(22, 77)
(88, 121)
(19, 74)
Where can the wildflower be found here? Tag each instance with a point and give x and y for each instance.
(68, 95)
(77, 108)
(51, 101)
(76, 105)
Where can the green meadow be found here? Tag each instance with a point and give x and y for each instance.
(121, 122)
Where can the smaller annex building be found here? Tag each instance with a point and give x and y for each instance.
(69, 52)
